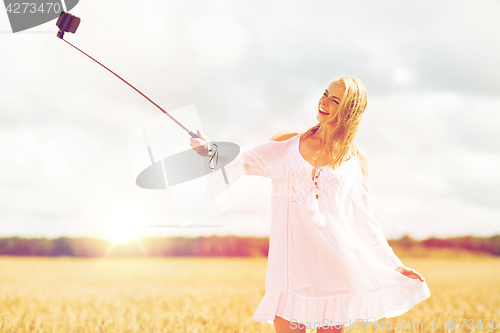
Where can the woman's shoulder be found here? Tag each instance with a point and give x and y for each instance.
(284, 135)
(363, 160)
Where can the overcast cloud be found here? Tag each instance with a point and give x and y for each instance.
(252, 69)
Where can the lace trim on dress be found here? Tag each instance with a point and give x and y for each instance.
(311, 194)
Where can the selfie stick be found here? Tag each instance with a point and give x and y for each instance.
(69, 23)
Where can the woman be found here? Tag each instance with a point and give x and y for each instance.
(329, 264)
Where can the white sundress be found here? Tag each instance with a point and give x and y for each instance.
(324, 262)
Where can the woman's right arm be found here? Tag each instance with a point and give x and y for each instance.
(259, 160)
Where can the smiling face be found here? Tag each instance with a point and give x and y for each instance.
(329, 102)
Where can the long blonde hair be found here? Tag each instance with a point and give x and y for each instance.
(350, 110)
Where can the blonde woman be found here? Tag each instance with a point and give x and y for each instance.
(329, 264)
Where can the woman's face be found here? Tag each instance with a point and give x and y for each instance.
(329, 102)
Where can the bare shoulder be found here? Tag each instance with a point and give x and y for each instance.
(284, 135)
(363, 161)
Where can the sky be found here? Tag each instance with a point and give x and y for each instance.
(252, 69)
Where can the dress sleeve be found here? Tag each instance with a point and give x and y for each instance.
(261, 160)
(367, 227)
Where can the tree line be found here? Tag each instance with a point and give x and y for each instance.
(212, 246)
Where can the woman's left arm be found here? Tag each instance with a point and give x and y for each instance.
(367, 228)
(370, 232)
(410, 272)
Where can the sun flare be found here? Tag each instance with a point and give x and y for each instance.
(123, 223)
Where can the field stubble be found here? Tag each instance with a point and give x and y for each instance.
(205, 295)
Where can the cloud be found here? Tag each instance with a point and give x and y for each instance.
(253, 69)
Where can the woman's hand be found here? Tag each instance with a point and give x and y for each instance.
(201, 145)
(410, 272)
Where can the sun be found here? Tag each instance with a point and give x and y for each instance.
(123, 223)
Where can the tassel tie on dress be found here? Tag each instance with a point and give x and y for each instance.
(318, 217)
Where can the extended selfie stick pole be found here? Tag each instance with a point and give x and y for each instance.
(69, 23)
